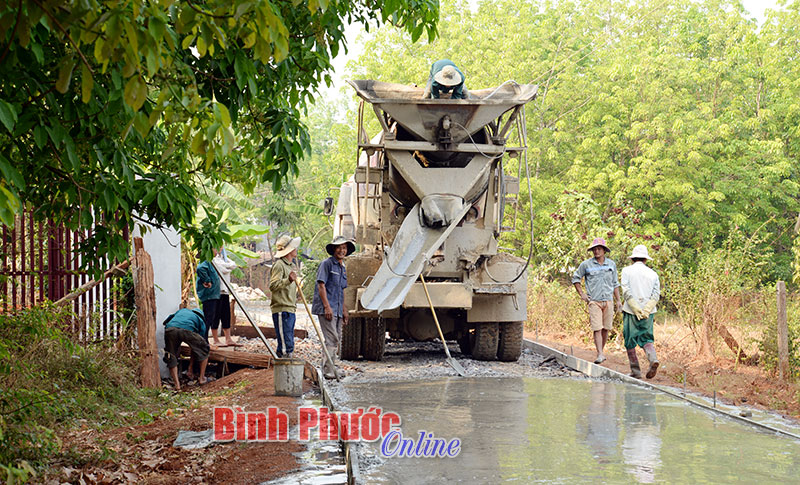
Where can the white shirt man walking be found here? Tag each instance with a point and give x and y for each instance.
(641, 290)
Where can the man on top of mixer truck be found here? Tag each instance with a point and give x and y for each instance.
(445, 78)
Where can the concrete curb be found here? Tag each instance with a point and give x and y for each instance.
(350, 453)
(595, 370)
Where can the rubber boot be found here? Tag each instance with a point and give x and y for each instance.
(650, 351)
(636, 372)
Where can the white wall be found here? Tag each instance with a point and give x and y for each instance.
(164, 247)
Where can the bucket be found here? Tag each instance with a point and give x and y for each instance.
(288, 377)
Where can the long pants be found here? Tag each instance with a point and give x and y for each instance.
(284, 330)
(332, 331)
(223, 313)
(209, 314)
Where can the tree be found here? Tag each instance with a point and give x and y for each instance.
(686, 111)
(114, 111)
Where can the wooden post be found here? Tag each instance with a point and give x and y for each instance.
(145, 299)
(783, 333)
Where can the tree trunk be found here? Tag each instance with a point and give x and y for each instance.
(737, 350)
(706, 350)
(145, 299)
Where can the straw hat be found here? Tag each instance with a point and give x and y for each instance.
(338, 241)
(640, 251)
(448, 76)
(599, 241)
(285, 245)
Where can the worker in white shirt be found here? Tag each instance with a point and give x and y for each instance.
(224, 307)
(641, 291)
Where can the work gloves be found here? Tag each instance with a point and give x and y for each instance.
(634, 306)
(648, 308)
(642, 312)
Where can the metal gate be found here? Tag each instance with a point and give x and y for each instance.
(39, 261)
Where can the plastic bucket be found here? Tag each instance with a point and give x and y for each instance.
(288, 377)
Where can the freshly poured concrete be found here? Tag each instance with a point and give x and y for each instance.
(567, 431)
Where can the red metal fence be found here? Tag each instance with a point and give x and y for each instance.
(39, 260)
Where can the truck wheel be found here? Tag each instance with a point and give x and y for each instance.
(351, 339)
(486, 337)
(373, 338)
(465, 343)
(510, 346)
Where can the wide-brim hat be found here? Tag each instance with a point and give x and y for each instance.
(285, 245)
(599, 241)
(338, 241)
(640, 252)
(448, 76)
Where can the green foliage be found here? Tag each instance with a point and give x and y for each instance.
(796, 260)
(242, 230)
(47, 383)
(116, 111)
(297, 207)
(577, 220)
(682, 113)
(308, 277)
(712, 292)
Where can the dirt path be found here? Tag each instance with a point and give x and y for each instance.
(735, 384)
(144, 454)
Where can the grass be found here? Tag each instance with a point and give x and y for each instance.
(49, 385)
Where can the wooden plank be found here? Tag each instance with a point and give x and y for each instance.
(145, 299)
(269, 332)
(234, 357)
(783, 333)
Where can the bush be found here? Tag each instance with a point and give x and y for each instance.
(47, 382)
(769, 340)
(308, 276)
(578, 219)
(714, 293)
(555, 306)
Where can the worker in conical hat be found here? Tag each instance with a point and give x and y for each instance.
(445, 78)
(328, 303)
(283, 287)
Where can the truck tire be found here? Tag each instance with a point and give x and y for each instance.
(465, 343)
(351, 339)
(510, 346)
(373, 338)
(486, 339)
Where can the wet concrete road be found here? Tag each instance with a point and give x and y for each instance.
(527, 429)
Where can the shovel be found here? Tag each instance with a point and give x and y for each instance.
(455, 365)
(316, 327)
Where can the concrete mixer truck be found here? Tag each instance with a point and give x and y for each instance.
(428, 196)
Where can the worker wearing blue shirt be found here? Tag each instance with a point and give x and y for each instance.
(445, 78)
(186, 326)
